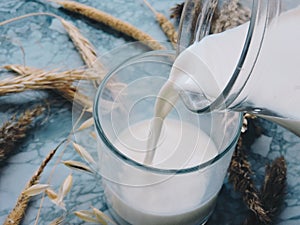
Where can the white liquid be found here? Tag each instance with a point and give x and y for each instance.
(207, 66)
(180, 145)
(128, 213)
(176, 200)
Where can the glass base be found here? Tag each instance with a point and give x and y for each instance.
(200, 220)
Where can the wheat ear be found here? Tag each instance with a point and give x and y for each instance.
(17, 214)
(165, 24)
(111, 21)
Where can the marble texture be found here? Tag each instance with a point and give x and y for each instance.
(42, 42)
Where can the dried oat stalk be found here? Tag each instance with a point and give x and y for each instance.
(17, 214)
(111, 21)
(15, 130)
(94, 216)
(77, 166)
(166, 25)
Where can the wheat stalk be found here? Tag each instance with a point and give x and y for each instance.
(231, 15)
(240, 175)
(38, 79)
(34, 79)
(17, 214)
(111, 21)
(83, 45)
(85, 48)
(166, 26)
(15, 130)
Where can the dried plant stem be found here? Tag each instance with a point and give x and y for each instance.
(240, 176)
(83, 45)
(111, 21)
(176, 11)
(85, 48)
(231, 15)
(166, 26)
(33, 79)
(274, 187)
(39, 79)
(17, 214)
(273, 191)
(15, 130)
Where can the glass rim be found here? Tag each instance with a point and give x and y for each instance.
(101, 133)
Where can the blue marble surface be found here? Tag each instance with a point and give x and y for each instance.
(41, 42)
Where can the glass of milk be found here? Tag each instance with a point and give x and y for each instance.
(181, 184)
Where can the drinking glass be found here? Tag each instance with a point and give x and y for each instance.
(180, 188)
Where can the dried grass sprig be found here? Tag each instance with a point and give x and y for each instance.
(166, 25)
(176, 11)
(232, 14)
(272, 191)
(18, 212)
(240, 173)
(33, 79)
(111, 21)
(15, 130)
(94, 216)
(83, 45)
(274, 187)
(38, 79)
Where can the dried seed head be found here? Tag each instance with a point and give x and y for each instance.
(86, 216)
(58, 221)
(35, 189)
(65, 187)
(102, 218)
(111, 21)
(86, 124)
(52, 195)
(166, 26)
(77, 166)
(15, 130)
(176, 11)
(83, 153)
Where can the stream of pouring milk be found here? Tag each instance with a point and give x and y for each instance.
(206, 66)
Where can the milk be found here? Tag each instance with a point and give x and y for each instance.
(177, 199)
(180, 144)
(274, 85)
(129, 213)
